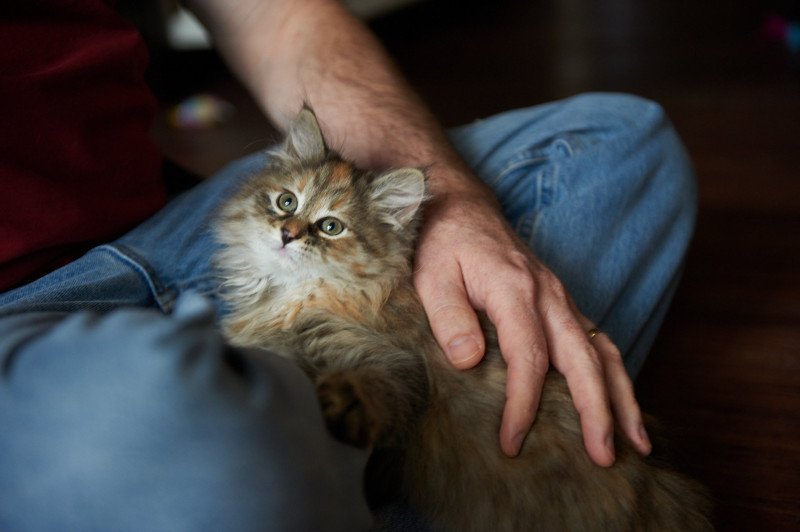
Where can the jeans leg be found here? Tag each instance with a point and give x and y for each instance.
(132, 420)
(152, 265)
(119, 417)
(601, 188)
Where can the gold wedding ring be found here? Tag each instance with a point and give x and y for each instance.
(594, 331)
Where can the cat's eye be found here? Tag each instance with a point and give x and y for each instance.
(330, 226)
(287, 202)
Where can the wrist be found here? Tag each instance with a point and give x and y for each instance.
(457, 184)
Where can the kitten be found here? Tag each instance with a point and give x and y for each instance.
(316, 262)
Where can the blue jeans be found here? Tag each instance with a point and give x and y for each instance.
(121, 407)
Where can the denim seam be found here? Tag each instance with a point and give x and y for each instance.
(527, 223)
(545, 188)
(162, 295)
(522, 160)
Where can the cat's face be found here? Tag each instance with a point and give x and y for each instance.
(311, 216)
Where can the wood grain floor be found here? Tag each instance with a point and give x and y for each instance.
(724, 375)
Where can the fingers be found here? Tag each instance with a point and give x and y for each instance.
(621, 394)
(522, 345)
(575, 357)
(616, 381)
(580, 365)
(596, 376)
(511, 306)
(456, 327)
(452, 318)
(537, 324)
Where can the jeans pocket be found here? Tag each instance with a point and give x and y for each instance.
(528, 181)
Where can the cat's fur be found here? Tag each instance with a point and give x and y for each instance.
(343, 306)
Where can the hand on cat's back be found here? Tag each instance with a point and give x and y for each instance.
(468, 258)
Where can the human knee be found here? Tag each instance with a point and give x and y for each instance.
(619, 112)
(641, 140)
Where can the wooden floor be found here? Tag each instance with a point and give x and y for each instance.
(724, 375)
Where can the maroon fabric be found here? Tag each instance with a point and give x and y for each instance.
(77, 165)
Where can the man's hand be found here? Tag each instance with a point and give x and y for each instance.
(469, 258)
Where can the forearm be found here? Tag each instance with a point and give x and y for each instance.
(314, 51)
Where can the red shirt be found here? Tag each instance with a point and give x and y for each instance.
(77, 165)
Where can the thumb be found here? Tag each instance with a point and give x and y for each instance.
(453, 321)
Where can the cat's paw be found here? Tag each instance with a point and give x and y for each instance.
(348, 413)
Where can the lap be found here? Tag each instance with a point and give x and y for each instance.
(132, 420)
(598, 185)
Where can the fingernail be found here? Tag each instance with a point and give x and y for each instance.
(644, 438)
(517, 442)
(462, 349)
(513, 445)
(610, 447)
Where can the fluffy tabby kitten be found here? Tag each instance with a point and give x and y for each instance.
(316, 263)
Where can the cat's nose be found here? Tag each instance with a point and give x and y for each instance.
(286, 236)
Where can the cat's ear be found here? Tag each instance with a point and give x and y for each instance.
(399, 195)
(304, 140)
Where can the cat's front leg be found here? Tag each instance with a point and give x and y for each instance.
(363, 407)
